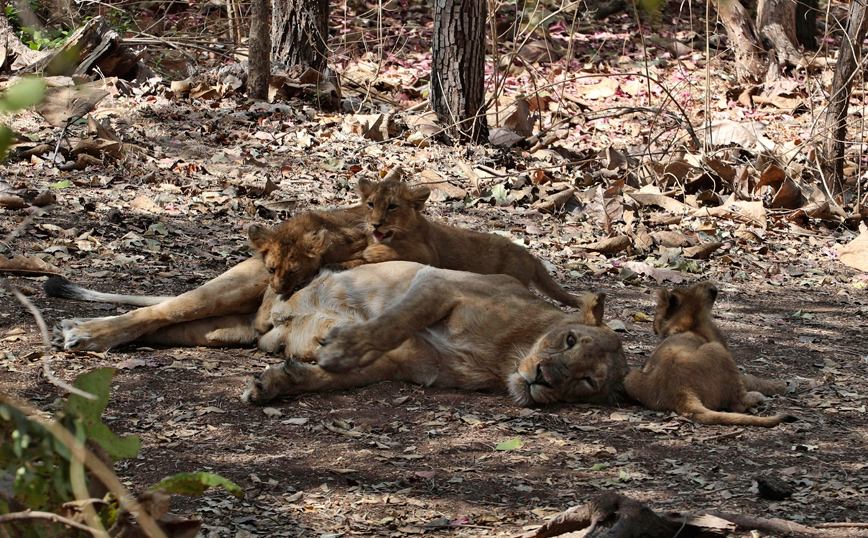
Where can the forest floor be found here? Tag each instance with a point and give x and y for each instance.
(395, 459)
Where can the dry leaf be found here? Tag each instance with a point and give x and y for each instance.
(606, 208)
(855, 253)
(657, 273)
(610, 245)
(701, 252)
(669, 204)
(26, 265)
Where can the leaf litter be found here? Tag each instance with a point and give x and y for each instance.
(159, 186)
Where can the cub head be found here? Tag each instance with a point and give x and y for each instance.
(393, 207)
(292, 252)
(686, 310)
(573, 362)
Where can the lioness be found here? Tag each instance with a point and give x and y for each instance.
(235, 307)
(436, 327)
(401, 232)
(692, 370)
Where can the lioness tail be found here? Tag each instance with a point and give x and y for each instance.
(707, 416)
(57, 286)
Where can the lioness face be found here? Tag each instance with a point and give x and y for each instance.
(291, 254)
(682, 309)
(392, 207)
(572, 363)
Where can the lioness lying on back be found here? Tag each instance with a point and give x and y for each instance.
(406, 321)
(692, 370)
(400, 232)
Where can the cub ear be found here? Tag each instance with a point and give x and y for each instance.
(259, 236)
(666, 301)
(314, 242)
(418, 195)
(365, 187)
(711, 290)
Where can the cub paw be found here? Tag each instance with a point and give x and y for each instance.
(377, 253)
(346, 347)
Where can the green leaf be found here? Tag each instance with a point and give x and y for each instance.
(24, 94)
(195, 484)
(61, 184)
(624, 476)
(499, 192)
(89, 412)
(600, 466)
(512, 444)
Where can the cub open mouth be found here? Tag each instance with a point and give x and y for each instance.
(378, 236)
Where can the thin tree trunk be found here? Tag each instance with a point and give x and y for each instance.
(750, 56)
(839, 99)
(259, 59)
(776, 22)
(300, 32)
(458, 70)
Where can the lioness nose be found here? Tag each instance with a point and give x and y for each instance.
(539, 374)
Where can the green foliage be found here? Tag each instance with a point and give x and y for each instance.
(35, 466)
(88, 413)
(195, 484)
(23, 94)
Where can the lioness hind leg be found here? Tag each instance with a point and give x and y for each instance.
(752, 399)
(237, 291)
(222, 331)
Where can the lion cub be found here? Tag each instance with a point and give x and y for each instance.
(399, 231)
(692, 370)
(296, 250)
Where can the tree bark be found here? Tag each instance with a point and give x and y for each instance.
(300, 32)
(458, 70)
(751, 62)
(776, 21)
(839, 100)
(259, 59)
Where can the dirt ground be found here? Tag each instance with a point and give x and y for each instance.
(395, 459)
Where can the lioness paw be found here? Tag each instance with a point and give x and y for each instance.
(284, 379)
(379, 253)
(347, 347)
(84, 334)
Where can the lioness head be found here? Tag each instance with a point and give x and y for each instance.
(579, 360)
(392, 207)
(291, 252)
(685, 309)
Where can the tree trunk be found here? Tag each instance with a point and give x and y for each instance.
(300, 32)
(750, 56)
(458, 70)
(839, 100)
(776, 21)
(259, 59)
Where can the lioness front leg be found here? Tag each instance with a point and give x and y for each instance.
(429, 299)
(291, 378)
(237, 291)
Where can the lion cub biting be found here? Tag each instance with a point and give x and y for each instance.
(692, 370)
(296, 250)
(399, 231)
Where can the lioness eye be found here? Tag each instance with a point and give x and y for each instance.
(371, 205)
(392, 207)
(571, 340)
(321, 341)
(271, 270)
(591, 383)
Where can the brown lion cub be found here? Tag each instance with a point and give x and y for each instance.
(692, 370)
(296, 250)
(399, 231)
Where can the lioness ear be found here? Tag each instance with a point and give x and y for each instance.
(364, 187)
(666, 301)
(418, 195)
(711, 289)
(592, 308)
(259, 236)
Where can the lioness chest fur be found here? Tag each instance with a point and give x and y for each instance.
(399, 231)
(692, 370)
(406, 321)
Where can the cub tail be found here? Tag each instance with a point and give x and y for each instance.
(707, 416)
(546, 285)
(59, 287)
(765, 386)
